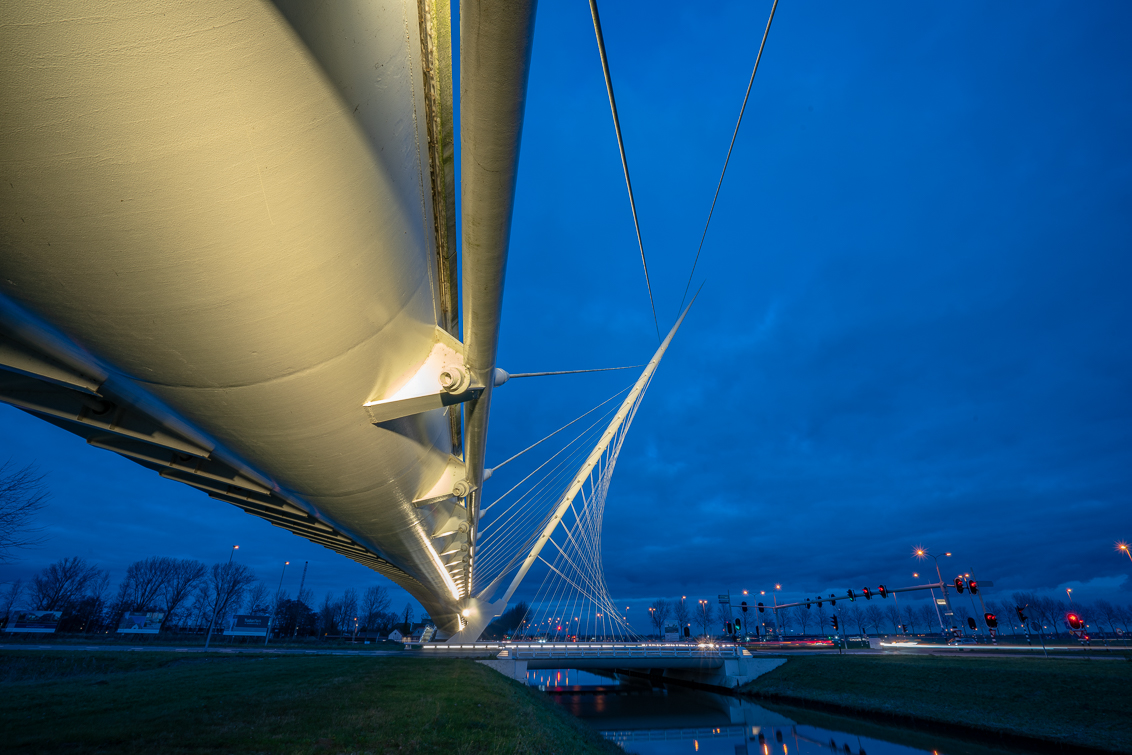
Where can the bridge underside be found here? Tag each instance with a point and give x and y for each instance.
(724, 667)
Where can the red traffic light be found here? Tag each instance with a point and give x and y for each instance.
(1074, 621)
(991, 620)
(959, 584)
(973, 586)
(1021, 616)
(834, 620)
(883, 591)
(868, 595)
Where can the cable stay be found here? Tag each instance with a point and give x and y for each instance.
(729, 148)
(624, 159)
(502, 376)
(573, 597)
(548, 437)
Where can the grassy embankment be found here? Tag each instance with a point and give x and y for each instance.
(64, 701)
(1073, 702)
(169, 639)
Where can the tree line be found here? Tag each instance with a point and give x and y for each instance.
(191, 594)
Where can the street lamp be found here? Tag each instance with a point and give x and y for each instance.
(921, 553)
(216, 606)
(1069, 592)
(1123, 546)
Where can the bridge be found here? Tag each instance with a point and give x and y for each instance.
(708, 664)
(229, 256)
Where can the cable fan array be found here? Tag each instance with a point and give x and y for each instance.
(573, 599)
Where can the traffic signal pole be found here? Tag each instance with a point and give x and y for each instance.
(833, 599)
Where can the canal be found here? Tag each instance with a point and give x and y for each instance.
(650, 719)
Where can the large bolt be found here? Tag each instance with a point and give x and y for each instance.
(452, 379)
(461, 489)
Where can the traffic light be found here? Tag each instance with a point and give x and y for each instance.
(761, 609)
(851, 596)
(867, 593)
(959, 585)
(883, 591)
(727, 625)
(971, 623)
(833, 619)
(687, 631)
(991, 620)
(744, 606)
(807, 603)
(819, 601)
(973, 586)
(1021, 616)
(738, 626)
(832, 601)
(1074, 621)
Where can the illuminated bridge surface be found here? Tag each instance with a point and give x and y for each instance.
(719, 665)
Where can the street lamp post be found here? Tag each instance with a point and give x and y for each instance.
(216, 606)
(920, 553)
(271, 619)
(1123, 547)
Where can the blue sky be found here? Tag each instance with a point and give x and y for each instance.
(914, 327)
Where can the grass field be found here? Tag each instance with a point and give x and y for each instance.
(66, 701)
(1073, 702)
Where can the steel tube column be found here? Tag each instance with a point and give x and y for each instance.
(495, 53)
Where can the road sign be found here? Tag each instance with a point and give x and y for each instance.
(724, 599)
(940, 602)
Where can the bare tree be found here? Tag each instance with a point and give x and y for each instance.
(1124, 613)
(874, 616)
(1110, 613)
(706, 616)
(227, 585)
(962, 615)
(256, 598)
(929, 617)
(802, 616)
(143, 583)
(62, 583)
(184, 577)
(11, 597)
(858, 617)
(821, 619)
(910, 618)
(784, 621)
(680, 611)
(23, 492)
(328, 615)
(347, 610)
(375, 602)
(407, 616)
(893, 614)
(658, 614)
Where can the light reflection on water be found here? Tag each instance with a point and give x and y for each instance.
(676, 720)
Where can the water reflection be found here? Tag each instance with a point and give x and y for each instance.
(656, 720)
